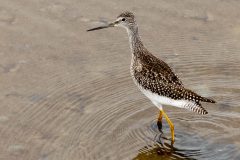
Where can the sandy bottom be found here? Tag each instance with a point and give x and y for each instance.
(66, 94)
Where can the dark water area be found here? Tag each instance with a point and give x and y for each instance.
(67, 94)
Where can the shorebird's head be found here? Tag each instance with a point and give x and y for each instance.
(125, 20)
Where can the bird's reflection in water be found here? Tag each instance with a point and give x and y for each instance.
(164, 150)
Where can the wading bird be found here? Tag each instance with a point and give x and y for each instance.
(154, 77)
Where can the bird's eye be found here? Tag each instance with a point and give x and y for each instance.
(123, 19)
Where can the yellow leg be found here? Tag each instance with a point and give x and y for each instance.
(159, 122)
(170, 124)
(160, 116)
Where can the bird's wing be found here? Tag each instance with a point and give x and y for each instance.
(161, 80)
(156, 76)
(188, 98)
(160, 69)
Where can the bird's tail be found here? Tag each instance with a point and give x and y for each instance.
(204, 99)
(195, 107)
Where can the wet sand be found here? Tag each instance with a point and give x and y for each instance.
(67, 93)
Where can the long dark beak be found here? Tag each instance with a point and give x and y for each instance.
(102, 27)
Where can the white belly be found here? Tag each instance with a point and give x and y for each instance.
(158, 100)
(161, 100)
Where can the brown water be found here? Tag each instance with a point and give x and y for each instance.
(67, 94)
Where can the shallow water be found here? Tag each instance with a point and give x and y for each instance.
(67, 93)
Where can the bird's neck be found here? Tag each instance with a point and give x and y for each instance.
(136, 44)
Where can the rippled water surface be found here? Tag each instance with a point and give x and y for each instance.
(67, 94)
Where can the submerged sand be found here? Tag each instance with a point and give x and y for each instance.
(67, 94)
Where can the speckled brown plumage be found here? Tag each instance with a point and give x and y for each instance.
(155, 75)
(127, 14)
